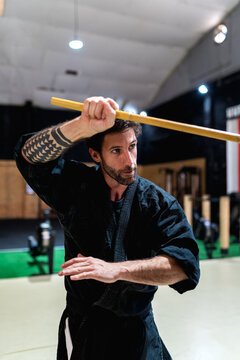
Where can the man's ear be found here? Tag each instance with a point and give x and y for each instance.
(95, 155)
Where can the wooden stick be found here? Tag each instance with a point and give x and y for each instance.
(163, 123)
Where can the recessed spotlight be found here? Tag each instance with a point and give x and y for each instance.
(220, 33)
(143, 113)
(203, 89)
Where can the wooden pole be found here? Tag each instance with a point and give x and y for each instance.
(163, 123)
(224, 218)
(2, 7)
(206, 207)
(187, 205)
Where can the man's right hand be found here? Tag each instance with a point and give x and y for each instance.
(98, 115)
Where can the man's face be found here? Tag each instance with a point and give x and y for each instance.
(118, 158)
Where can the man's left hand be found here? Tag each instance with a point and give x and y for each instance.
(81, 268)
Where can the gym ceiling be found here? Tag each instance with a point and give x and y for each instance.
(131, 47)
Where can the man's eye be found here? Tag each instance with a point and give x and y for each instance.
(115, 151)
(132, 146)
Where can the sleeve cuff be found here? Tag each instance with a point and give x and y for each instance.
(189, 264)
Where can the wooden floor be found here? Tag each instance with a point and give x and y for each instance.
(203, 324)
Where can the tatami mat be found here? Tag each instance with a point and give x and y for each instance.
(200, 325)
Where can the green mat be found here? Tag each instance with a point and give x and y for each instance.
(234, 249)
(20, 263)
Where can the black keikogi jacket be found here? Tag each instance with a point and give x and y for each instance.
(112, 321)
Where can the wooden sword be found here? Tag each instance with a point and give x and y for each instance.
(163, 123)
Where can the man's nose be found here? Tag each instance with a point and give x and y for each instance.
(129, 158)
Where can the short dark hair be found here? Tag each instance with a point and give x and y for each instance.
(95, 142)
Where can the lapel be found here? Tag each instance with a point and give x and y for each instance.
(119, 250)
(112, 291)
(103, 212)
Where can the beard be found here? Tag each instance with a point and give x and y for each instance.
(121, 176)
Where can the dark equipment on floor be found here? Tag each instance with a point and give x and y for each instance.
(43, 242)
(206, 231)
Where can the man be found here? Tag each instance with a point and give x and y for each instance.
(123, 236)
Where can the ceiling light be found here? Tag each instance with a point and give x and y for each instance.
(76, 44)
(220, 34)
(143, 113)
(203, 89)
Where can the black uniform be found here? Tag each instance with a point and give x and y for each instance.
(112, 321)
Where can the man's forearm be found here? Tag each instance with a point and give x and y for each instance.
(49, 144)
(97, 116)
(160, 270)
